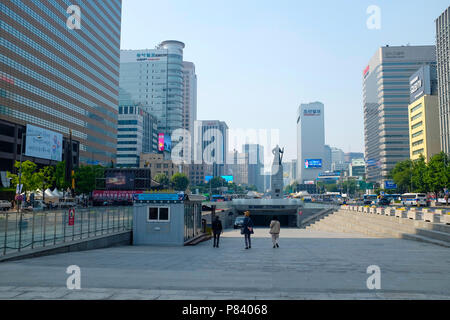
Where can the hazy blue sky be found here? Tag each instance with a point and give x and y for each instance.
(257, 60)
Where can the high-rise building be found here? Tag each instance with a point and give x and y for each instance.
(424, 114)
(386, 99)
(189, 99)
(443, 75)
(327, 158)
(310, 141)
(357, 168)
(255, 165)
(60, 77)
(154, 78)
(211, 145)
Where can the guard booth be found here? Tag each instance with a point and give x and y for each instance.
(167, 218)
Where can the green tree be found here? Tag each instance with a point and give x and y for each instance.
(218, 182)
(29, 179)
(402, 175)
(162, 179)
(60, 176)
(85, 178)
(438, 174)
(419, 172)
(179, 181)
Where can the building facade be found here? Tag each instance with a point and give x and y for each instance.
(255, 165)
(443, 75)
(154, 79)
(157, 164)
(357, 168)
(44, 81)
(310, 141)
(386, 96)
(211, 145)
(189, 101)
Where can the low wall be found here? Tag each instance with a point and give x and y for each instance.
(115, 239)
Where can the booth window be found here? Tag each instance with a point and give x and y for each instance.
(158, 214)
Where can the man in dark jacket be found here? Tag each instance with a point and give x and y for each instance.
(217, 230)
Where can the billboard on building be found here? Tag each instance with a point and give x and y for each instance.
(119, 180)
(164, 142)
(313, 163)
(228, 179)
(420, 83)
(43, 143)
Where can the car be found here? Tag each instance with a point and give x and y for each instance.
(239, 222)
(367, 202)
(384, 202)
(5, 205)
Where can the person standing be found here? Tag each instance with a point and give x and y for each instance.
(217, 230)
(275, 231)
(247, 229)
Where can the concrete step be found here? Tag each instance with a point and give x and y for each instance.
(394, 228)
(334, 223)
(417, 237)
(437, 235)
(442, 227)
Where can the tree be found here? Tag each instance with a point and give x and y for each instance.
(60, 176)
(179, 181)
(85, 177)
(29, 179)
(402, 175)
(218, 182)
(438, 174)
(419, 173)
(162, 179)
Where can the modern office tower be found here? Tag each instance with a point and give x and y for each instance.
(198, 173)
(137, 132)
(424, 114)
(327, 158)
(211, 144)
(154, 78)
(385, 103)
(189, 100)
(255, 165)
(443, 75)
(357, 168)
(293, 172)
(349, 156)
(338, 160)
(58, 77)
(310, 141)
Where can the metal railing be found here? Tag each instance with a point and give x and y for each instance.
(30, 230)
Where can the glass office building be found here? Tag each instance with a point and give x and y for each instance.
(154, 79)
(443, 74)
(59, 77)
(386, 96)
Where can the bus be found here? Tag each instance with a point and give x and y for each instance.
(370, 199)
(217, 198)
(414, 199)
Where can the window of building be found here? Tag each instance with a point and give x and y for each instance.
(418, 133)
(417, 116)
(158, 214)
(418, 124)
(418, 152)
(419, 106)
(417, 143)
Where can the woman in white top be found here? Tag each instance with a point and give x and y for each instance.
(275, 231)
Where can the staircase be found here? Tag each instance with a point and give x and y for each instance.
(382, 226)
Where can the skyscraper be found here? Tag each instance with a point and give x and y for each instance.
(443, 74)
(211, 144)
(386, 96)
(60, 77)
(154, 79)
(189, 96)
(310, 141)
(255, 165)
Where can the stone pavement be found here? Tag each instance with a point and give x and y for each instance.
(308, 265)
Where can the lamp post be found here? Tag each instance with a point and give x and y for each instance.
(20, 185)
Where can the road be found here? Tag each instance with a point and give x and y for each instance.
(308, 265)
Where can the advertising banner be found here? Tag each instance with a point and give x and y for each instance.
(313, 163)
(71, 217)
(161, 142)
(43, 143)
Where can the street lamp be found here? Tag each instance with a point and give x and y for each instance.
(20, 185)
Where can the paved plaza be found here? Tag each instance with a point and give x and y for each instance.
(308, 265)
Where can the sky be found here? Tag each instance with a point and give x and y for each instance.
(257, 60)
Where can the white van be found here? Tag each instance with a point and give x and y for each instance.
(414, 199)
